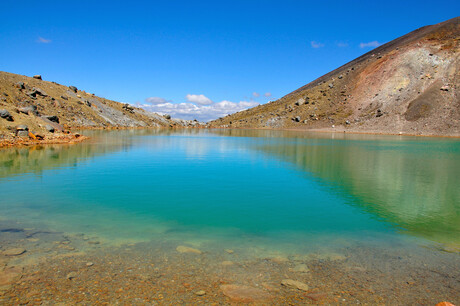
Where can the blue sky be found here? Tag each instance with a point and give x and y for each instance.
(199, 58)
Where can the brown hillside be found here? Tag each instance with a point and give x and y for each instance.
(407, 86)
(44, 106)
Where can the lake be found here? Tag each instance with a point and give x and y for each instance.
(359, 218)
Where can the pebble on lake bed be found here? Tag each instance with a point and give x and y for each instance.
(186, 249)
(200, 293)
(245, 294)
(89, 264)
(227, 263)
(71, 275)
(300, 268)
(229, 251)
(279, 259)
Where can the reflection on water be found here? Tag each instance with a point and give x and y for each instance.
(410, 182)
(258, 186)
(413, 184)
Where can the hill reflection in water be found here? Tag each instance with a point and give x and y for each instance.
(409, 181)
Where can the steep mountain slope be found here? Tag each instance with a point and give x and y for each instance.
(407, 86)
(50, 110)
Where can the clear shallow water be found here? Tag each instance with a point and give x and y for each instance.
(277, 191)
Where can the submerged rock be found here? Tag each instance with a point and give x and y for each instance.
(200, 293)
(186, 249)
(14, 252)
(294, 284)
(245, 294)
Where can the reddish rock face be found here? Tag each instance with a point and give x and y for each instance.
(245, 294)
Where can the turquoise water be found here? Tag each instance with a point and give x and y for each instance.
(277, 191)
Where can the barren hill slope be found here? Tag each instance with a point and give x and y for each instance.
(407, 86)
(48, 109)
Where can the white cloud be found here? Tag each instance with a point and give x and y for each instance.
(156, 100)
(342, 44)
(198, 99)
(316, 45)
(372, 44)
(192, 111)
(267, 94)
(255, 94)
(42, 40)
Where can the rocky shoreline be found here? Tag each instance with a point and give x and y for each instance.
(54, 139)
(72, 138)
(45, 267)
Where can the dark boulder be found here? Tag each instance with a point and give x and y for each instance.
(22, 134)
(52, 118)
(56, 126)
(36, 91)
(300, 102)
(31, 109)
(38, 77)
(128, 108)
(49, 128)
(22, 127)
(73, 88)
(6, 115)
(20, 85)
